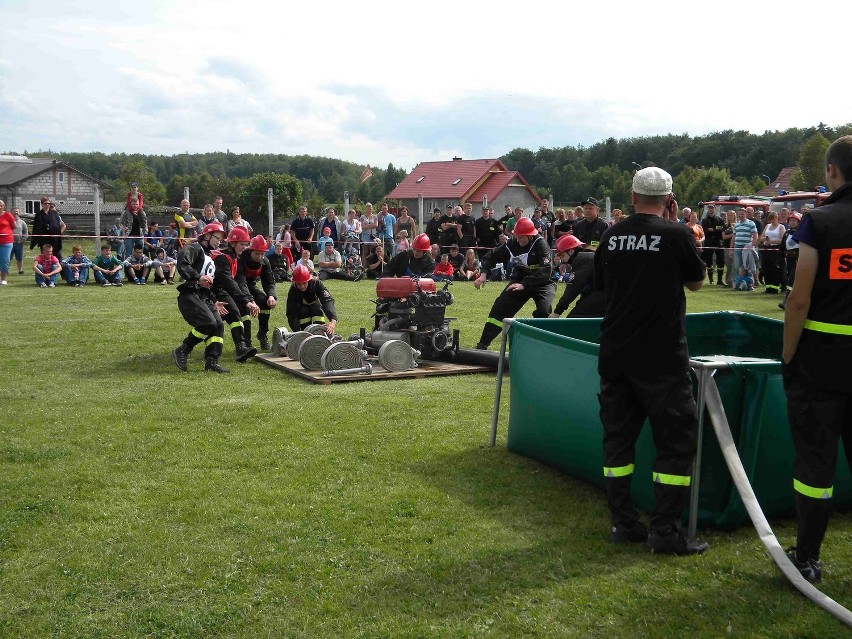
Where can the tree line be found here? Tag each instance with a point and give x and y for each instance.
(722, 162)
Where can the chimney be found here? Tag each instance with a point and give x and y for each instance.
(456, 158)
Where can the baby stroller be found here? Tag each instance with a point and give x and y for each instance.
(352, 264)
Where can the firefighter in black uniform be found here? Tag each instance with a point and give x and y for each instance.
(591, 227)
(642, 264)
(198, 304)
(581, 280)
(487, 230)
(415, 262)
(530, 279)
(309, 302)
(467, 228)
(817, 351)
(229, 285)
(257, 270)
(713, 226)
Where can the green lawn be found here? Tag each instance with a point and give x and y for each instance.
(138, 501)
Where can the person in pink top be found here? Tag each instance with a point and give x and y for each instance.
(7, 235)
(46, 267)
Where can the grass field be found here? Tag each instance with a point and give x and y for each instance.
(138, 501)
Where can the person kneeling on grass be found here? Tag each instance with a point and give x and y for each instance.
(107, 267)
(309, 302)
(75, 267)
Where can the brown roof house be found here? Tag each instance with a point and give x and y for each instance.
(459, 181)
(781, 183)
(24, 181)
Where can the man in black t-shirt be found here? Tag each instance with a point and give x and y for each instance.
(590, 229)
(303, 227)
(642, 265)
(487, 229)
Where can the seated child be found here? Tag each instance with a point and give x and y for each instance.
(743, 281)
(402, 243)
(164, 267)
(75, 267)
(306, 261)
(107, 268)
(46, 267)
(137, 266)
(325, 239)
(279, 262)
(443, 269)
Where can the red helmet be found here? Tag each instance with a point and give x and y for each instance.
(795, 216)
(524, 226)
(421, 243)
(213, 227)
(238, 234)
(258, 243)
(566, 243)
(301, 274)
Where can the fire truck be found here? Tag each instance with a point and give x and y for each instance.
(725, 203)
(798, 200)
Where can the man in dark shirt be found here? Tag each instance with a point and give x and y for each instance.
(303, 228)
(466, 226)
(642, 264)
(590, 229)
(487, 229)
(713, 226)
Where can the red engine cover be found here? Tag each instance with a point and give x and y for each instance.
(399, 287)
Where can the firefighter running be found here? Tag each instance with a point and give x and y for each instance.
(530, 279)
(229, 285)
(257, 270)
(197, 303)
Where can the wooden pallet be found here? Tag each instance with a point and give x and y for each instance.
(425, 369)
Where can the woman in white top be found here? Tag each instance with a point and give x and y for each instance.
(369, 224)
(237, 220)
(351, 231)
(770, 253)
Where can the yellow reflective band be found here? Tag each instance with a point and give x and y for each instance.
(618, 471)
(672, 480)
(825, 327)
(265, 312)
(810, 491)
(234, 325)
(496, 322)
(318, 320)
(215, 339)
(197, 334)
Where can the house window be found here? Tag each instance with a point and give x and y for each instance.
(32, 206)
(420, 179)
(60, 177)
(457, 181)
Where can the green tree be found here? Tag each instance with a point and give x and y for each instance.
(149, 186)
(811, 163)
(694, 185)
(250, 194)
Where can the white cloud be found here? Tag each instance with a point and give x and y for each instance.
(401, 82)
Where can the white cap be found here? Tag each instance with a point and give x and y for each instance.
(652, 181)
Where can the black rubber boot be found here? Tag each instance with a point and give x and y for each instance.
(181, 355)
(263, 340)
(244, 352)
(212, 365)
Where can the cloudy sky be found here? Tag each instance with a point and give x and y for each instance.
(403, 82)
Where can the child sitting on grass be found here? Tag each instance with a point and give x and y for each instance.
(743, 281)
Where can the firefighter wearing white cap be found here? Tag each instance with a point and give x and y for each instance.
(642, 264)
(309, 302)
(198, 304)
(530, 279)
(257, 270)
(581, 280)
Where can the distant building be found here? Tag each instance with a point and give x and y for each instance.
(460, 181)
(781, 183)
(24, 181)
